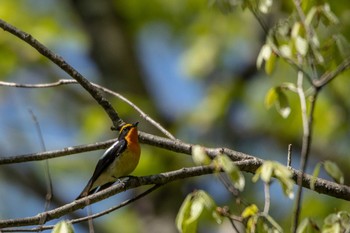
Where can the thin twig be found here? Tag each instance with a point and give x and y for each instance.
(55, 153)
(49, 187)
(267, 197)
(306, 142)
(106, 90)
(289, 156)
(107, 211)
(93, 216)
(329, 76)
(305, 151)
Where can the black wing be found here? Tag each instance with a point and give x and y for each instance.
(107, 158)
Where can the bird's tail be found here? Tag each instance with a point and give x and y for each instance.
(86, 191)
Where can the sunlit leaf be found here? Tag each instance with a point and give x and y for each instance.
(265, 6)
(275, 226)
(285, 51)
(296, 30)
(63, 227)
(344, 218)
(271, 97)
(282, 105)
(250, 211)
(337, 222)
(301, 45)
(271, 169)
(307, 226)
(266, 172)
(334, 171)
(184, 214)
(191, 210)
(329, 15)
(199, 156)
(265, 53)
(270, 63)
(233, 172)
(310, 16)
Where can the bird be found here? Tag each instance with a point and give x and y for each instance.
(119, 160)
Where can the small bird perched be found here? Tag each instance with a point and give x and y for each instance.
(119, 160)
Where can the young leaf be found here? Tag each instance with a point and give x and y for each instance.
(307, 226)
(270, 63)
(282, 105)
(265, 53)
(271, 169)
(334, 171)
(271, 97)
(250, 211)
(337, 222)
(191, 210)
(285, 51)
(183, 215)
(265, 6)
(277, 97)
(63, 227)
(301, 45)
(199, 156)
(231, 170)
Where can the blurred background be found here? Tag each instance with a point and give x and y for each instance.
(190, 65)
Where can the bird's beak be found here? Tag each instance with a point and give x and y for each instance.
(135, 124)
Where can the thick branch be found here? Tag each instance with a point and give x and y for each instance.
(251, 162)
(322, 186)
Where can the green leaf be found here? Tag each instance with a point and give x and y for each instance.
(199, 156)
(266, 171)
(334, 171)
(274, 224)
(265, 53)
(250, 211)
(271, 169)
(277, 97)
(301, 45)
(310, 16)
(184, 214)
(344, 218)
(307, 226)
(271, 97)
(63, 227)
(233, 172)
(315, 175)
(329, 15)
(285, 51)
(282, 105)
(265, 6)
(337, 222)
(191, 210)
(270, 63)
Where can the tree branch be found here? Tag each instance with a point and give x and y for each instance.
(60, 62)
(321, 186)
(106, 90)
(55, 153)
(329, 76)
